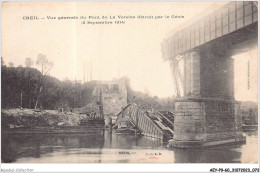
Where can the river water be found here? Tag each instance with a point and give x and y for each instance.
(113, 148)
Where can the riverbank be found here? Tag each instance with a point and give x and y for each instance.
(29, 118)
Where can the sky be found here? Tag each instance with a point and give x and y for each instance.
(132, 49)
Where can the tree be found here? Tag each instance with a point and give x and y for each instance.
(19, 87)
(28, 62)
(2, 62)
(11, 64)
(45, 66)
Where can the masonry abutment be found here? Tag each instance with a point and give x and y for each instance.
(208, 113)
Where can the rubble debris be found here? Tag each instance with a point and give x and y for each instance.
(28, 118)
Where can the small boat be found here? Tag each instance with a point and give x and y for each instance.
(126, 126)
(250, 127)
(127, 131)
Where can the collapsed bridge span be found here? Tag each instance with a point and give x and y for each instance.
(156, 124)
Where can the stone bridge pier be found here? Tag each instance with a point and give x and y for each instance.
(208, 114)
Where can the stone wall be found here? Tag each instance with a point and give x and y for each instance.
(223, 120)
(220, 116)
(189, 121)
(113, 95)
(207, 120)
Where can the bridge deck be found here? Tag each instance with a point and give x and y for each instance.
(228, 19)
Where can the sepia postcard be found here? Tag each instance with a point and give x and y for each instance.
(129, 82)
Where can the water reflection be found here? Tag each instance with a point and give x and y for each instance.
(130, 141)
(251, 148)
(117, 148)
(213, 155)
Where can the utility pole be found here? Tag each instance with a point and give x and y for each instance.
(84, 72)
(87, 69)
(90, 73)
